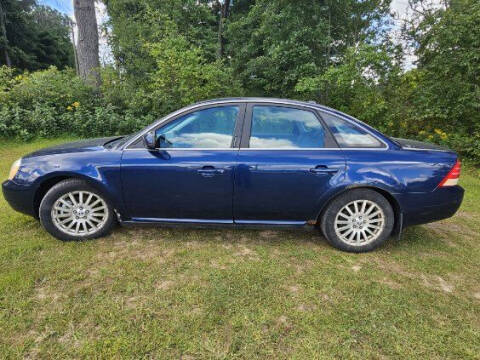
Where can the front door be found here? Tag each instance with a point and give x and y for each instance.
(287, 161)
(190, 177)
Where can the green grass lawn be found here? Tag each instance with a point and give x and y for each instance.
(195, 294)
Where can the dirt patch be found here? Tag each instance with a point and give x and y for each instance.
(164, 285)
(306, 307)
(131, 302)
(294, 289)
(44, 294)
(268, 234)
(432, 282)
(438, 283)
(192, 244)
(390, 283)
(446, 229)
(299, 269)
(393, 267)
(196, 311)
(356, 268)
(245, 252)
(466, 215)
(282, 320)
(214, 264)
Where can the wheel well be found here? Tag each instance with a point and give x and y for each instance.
(393, 202)
(43, 189)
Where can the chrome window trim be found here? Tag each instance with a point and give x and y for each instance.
(311, 149)
(183, 149)
(319, 108)
(254, 149)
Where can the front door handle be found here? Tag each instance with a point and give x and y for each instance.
(323, 169)
(209, 171)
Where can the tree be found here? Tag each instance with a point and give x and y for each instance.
(3, 36)
(137, 23)
(87, 43)
(54, 46)
(33, 37)
(360, 85)
(447, 95)
(274, 43)
(223, 10)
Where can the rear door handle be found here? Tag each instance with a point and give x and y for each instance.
(209, 171)
(323, 169)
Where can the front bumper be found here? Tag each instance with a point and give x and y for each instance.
(20, 198)
(422, 208)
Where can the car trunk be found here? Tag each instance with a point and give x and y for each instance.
(414, 144)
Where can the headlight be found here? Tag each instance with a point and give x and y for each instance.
(14, 169)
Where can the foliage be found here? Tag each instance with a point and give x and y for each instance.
(182, 75)
(51, 102)
(449, 63)
(135, 23)
(358, 85)
(274, 43)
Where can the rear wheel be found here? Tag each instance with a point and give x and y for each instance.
(74, 210)
(358, 221)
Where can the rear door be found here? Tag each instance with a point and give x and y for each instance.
(287, 161)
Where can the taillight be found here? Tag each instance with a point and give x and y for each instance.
(452, 177)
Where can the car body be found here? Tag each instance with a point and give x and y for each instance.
(267, 162)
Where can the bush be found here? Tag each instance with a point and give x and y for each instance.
(52, 103)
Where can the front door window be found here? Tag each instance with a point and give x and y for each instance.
(208, 128)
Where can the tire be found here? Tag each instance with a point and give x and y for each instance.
(74, 201)
(345, 217)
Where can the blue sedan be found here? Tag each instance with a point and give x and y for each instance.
(242, 162)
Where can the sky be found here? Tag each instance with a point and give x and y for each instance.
(64, 6)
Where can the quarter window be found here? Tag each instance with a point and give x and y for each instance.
(348, 135)
(208, 128)
(283, 127)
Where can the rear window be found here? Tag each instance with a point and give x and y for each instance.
(349, 135)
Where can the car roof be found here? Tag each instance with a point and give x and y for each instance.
(262, 99)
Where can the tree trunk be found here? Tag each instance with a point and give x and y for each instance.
(75, 55)
(224, 12)
(3, 37)
(87, 42)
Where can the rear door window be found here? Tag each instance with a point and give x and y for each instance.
(277, 127)
(349, 135)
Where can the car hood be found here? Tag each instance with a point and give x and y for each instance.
(414, 144)
(76, 146)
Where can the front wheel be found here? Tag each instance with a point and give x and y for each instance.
(359, 220)
(74, 210)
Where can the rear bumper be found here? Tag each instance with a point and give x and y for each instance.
(19, 197)
(422, 208)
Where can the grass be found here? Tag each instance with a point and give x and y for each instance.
(194, 294)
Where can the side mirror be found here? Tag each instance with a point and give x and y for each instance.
(149, 140)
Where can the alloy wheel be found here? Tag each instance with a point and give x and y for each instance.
(79, 213)
(359, 222)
